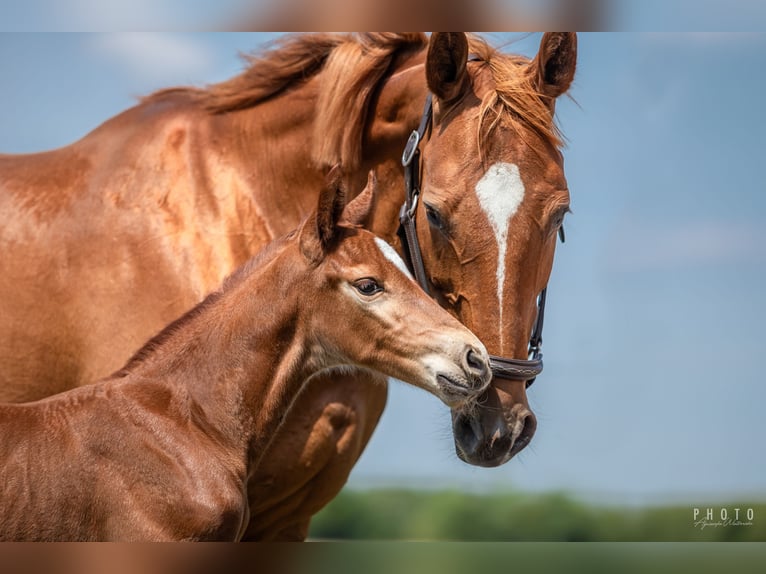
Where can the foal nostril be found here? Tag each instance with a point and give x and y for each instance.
(476, 365)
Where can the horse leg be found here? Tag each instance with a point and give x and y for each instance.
(312, 455)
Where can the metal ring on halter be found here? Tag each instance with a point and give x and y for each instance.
(412, 146)
(411, 211)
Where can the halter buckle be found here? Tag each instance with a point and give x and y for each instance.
(410, 148)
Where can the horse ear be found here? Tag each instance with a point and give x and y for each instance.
(319, 233)
(358, 211)
(446, 64)
(555, 63)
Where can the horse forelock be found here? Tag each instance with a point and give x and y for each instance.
(515, 101)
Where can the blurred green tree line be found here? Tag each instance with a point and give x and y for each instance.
(402, 514)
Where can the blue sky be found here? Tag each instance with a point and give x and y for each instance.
(653, 385)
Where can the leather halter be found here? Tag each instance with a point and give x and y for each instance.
(502, 368)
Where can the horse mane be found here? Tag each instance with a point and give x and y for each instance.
(352, 66)
(349, 68)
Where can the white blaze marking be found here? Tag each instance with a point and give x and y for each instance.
(391, 254)
(500, 192)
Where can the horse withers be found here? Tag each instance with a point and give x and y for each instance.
(163, 449)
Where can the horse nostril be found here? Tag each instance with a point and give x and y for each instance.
(468, 435)
(529, 426)
(476, 365)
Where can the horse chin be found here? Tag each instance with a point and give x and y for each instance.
(477, 446)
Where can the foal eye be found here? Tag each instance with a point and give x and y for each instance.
(367, 287)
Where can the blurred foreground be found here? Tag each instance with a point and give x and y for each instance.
(267, 15)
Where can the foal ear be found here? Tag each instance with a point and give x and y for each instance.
(357, 212)
(319, 233)
(446, 64)
(555, 63)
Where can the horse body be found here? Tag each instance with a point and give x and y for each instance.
(164, 448)
(139, 220)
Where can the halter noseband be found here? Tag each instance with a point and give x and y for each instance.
(502, 368)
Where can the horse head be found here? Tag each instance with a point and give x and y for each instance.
(492, 198)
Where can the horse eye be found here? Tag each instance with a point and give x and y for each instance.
(434, 217)
(367, 287)
(558, 224)
(558, 220)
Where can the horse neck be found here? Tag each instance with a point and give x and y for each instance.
(269, 145)
(287, 181)
(241, 359)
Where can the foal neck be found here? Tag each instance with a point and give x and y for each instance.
(241, 356)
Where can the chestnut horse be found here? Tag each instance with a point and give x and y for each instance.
(106, 240)
(163, 449)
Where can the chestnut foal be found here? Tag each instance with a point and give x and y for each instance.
(163, 449)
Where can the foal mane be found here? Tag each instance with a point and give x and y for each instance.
(235, 278)
(156, 342)
(350, 68)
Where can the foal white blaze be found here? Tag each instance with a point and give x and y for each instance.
(391, 254)
(500, 192)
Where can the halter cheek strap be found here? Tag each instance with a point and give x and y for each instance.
(408, 233)
(502, 368)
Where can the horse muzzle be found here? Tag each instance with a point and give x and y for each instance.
(485, 437)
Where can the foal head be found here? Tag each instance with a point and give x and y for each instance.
(365, 309)
(492, 201)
